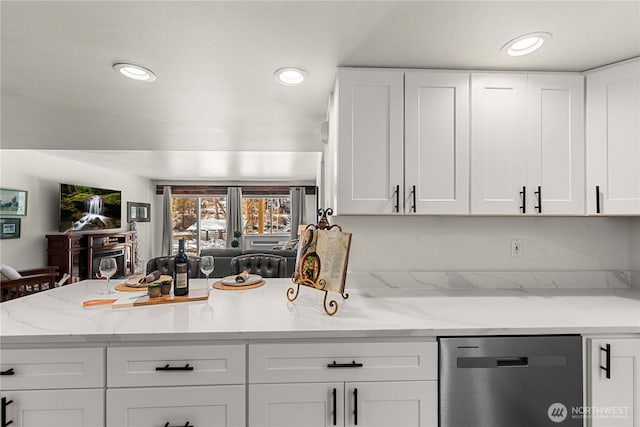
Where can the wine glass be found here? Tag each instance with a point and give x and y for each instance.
(206, 266)
(108, 268)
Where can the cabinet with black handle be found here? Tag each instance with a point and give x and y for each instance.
(176, 385)
(527, 144)
(52, 386)
(613, 139)
(343, 384)
(613, 381)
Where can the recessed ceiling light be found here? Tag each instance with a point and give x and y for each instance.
(525, 44)
(135, 72)
(290, 76)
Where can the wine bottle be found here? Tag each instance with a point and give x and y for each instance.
(181, 271)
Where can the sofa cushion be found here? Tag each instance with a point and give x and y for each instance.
(290, 244)
(165, 265)
(9, 273)
(224, 256)
(266, 265)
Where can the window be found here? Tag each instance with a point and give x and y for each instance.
(266, 215)
(199, 215)
(200, 221)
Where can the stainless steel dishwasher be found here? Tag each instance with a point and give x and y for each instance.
(521, 381)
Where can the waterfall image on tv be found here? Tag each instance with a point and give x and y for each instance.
(86, 208)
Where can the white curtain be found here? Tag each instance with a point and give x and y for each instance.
(234, 213)
(297, 209)
(166, 220)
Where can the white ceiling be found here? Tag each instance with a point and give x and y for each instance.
(214, 60)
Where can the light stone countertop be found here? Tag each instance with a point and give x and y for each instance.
(375, 308)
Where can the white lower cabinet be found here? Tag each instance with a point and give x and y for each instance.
(52, 387)
(613, 385)
(219, 406)
(53, 408)
(384, 404)
(296, 405)
(176, 385)
(343, 384)
(398, 404)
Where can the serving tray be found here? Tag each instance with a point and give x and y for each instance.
(194, 295)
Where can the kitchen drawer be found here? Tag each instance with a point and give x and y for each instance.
(314, 362)
(165, 365)
(220, 406)
(51, 368)
(54, 408)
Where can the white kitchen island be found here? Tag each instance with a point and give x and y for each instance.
(252, 358)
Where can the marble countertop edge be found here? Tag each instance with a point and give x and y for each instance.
(258, 336)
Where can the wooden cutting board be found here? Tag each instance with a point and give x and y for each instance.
(194, 295)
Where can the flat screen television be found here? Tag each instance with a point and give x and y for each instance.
(85, 208)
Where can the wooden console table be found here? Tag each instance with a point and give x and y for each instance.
(77, 253)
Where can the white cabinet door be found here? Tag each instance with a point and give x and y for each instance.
(615, 401)
(613, 140)
(369, 176)
(556, 144)
(398, 404)
(295, 405)
(498, 143)
(220, 406)
(55, 408)
(436, 142)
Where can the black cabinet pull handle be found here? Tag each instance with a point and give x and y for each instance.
(3, 412)
(174, 368)
(523, 195)
(539, 195)
(9, 371)
(355, 406)
(186, 425)
(353, 364)
(397, 205)
(335, 415)
(607, 362)
(413, 195)
(597, 199)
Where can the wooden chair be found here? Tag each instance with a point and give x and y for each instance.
(31, 282)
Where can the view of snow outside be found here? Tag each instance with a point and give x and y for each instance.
(260, 216)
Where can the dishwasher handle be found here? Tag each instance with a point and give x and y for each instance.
(507, 362)
(512, 361)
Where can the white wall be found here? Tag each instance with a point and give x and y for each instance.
(41, 174)
(401, 243)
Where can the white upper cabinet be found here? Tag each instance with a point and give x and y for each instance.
(436, 142)
(369, 175)
(613, 140)
(402, 142)
(556, 144)
(429, 142)
(527, 144)
(498, 143)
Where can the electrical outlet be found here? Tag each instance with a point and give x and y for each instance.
(516, 248)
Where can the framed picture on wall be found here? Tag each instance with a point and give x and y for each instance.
(140, 212)
(10, 228)
(13, 202)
